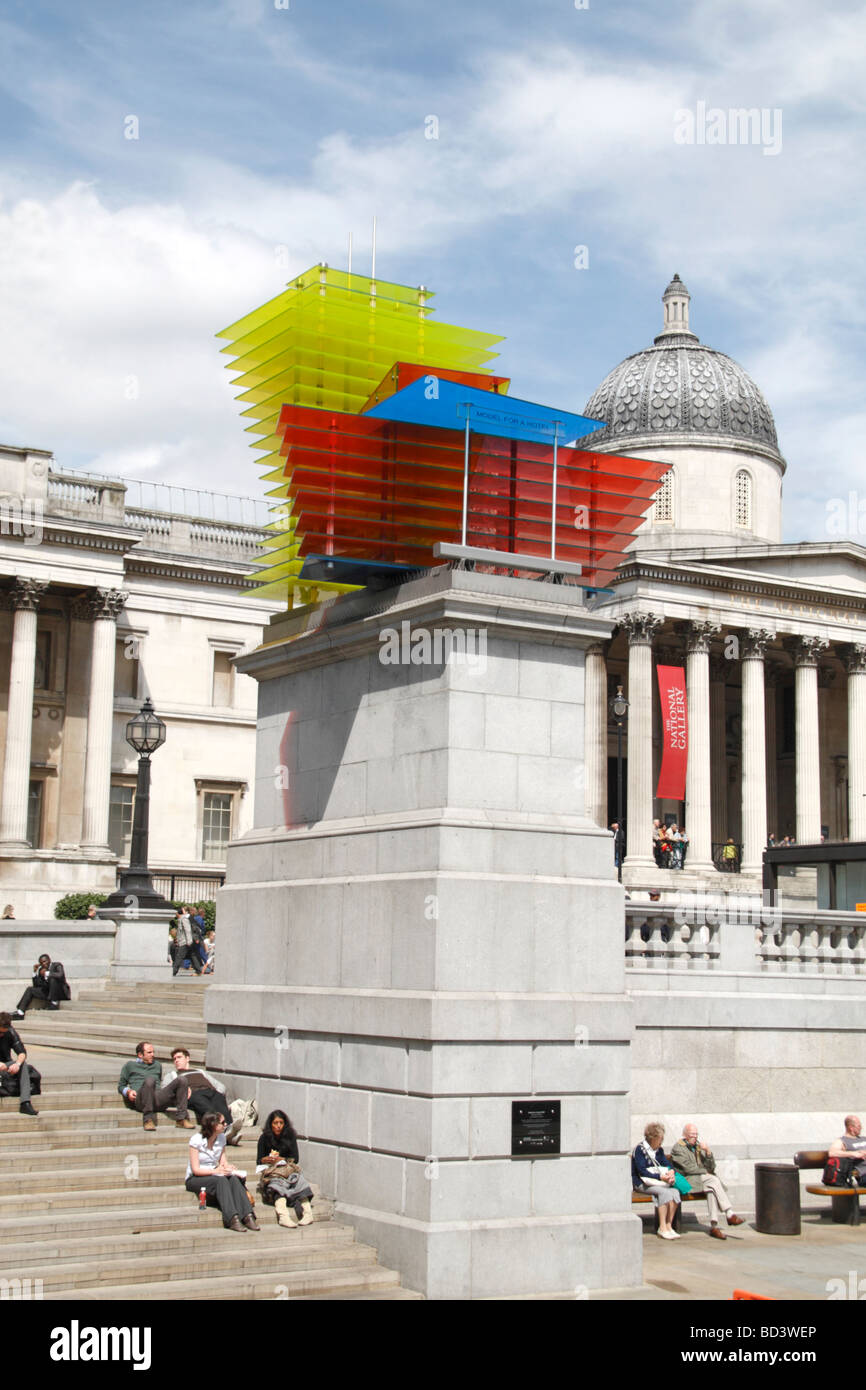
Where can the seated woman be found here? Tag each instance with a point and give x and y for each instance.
(281, 1182)
(652, 1172)
(224, 1185)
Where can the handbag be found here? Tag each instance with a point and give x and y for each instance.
(682, 1184)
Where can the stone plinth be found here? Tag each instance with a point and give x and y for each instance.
(141, 944)
(424, 926)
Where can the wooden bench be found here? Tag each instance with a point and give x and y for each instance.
(639, 1198)
(845, 1201)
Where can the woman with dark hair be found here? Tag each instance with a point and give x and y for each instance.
(281, 1182)
(224, 1185)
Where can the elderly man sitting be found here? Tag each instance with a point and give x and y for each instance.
(695, 1161)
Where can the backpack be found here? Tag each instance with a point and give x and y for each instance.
(244, 1110)
(839, 1172)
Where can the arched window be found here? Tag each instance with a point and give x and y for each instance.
(743, 499)
(664, 499)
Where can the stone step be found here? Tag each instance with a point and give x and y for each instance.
(103, 1154)
(57, 1122)
(362, 1296)
(248, 1285)
(129, 1135)
(112, 1044)
(100, 1221)
(205, 1236)
(130, 1015)
(253, 1257)
(171, 988)
(110, 1027)
(162, 1193)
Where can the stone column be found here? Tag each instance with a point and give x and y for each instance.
(719, 668)
(102, 608)
(24, 597)
(641, 628)
(754, 783)
(698, 636)
(772, 676)
(827, 779)
(595, 737)
(806, 651)
(855, 662)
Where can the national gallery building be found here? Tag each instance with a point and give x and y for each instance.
(109, 596)
(772, 635)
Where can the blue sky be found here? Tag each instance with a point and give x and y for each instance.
(265, 135)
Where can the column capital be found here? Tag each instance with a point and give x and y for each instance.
(641, 628)
(698, 634)
(597, 649)
(806, 650)
(98, 604)
(26, 594)
(854, 658)
(755, 642)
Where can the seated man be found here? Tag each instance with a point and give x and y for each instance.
(17, 1076)
(852, 1143)
(138, 1084)
(49, 983)
(695, 1161)
(205, 1093)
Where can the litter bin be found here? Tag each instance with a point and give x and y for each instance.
(777, 1199)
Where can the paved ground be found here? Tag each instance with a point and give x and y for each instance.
(782, 1267)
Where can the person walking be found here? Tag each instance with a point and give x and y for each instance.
(186, 947)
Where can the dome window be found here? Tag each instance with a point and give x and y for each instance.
(664, 499)
(743, 499)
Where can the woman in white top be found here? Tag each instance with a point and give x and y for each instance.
(224, 1185)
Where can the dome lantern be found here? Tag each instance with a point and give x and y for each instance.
(676, 300)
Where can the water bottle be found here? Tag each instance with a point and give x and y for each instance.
(202, 1200)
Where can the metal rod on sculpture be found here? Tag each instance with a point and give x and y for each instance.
(465, 482)
(553, 497)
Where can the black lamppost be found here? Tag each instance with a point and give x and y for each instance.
(145, 733)
(619, 711)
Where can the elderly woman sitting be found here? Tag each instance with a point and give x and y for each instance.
(652, 1172)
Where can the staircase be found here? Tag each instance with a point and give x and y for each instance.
(95, 1208)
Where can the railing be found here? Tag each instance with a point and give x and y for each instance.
(655, 940)
(813, 943)
(741, 934)
(189, 888)
(209, 533)
(75, 493)
(148, 521)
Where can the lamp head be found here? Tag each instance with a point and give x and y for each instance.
(146, 732)
(619, 704)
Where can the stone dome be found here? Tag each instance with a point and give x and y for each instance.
(680, 387)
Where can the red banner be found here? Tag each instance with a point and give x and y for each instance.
(675, 733)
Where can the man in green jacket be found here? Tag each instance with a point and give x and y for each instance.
(696, 1162)
(139, 1085)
